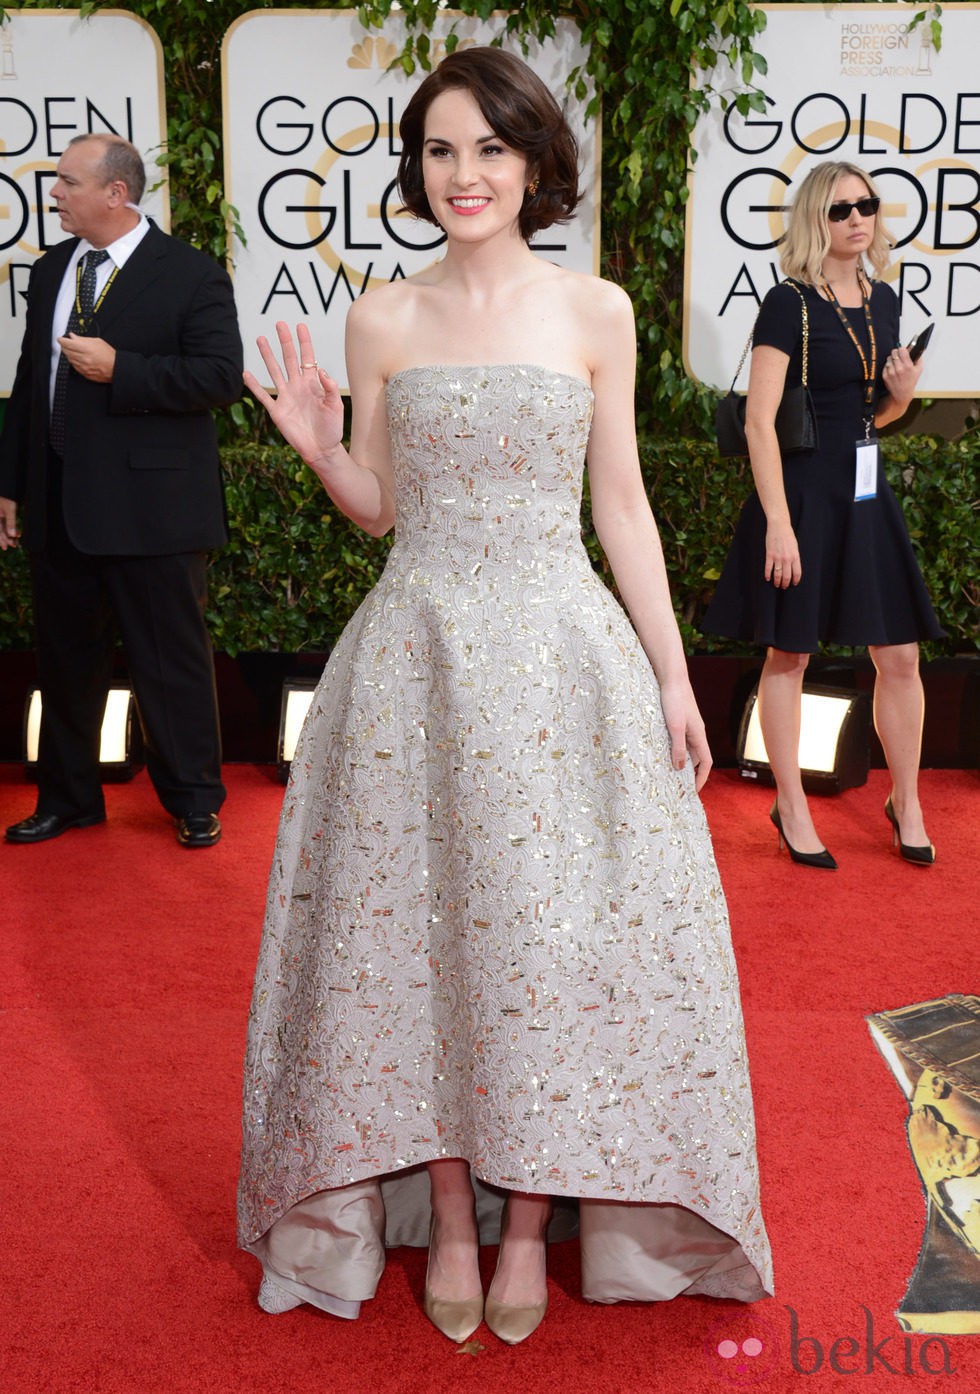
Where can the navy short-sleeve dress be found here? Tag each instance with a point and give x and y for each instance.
(861, 583)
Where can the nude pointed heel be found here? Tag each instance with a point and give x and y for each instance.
(457, 1320)
(508, 1321)
(513, 1324)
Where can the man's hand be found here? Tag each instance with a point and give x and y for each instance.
(9, 532)
(93, 358)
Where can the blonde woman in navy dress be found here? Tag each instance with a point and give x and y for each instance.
(821, 551)
(496, 976)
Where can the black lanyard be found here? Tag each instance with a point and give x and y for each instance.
(870, 369)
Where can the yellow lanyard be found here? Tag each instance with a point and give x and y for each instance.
(81, 318)
(870, 369)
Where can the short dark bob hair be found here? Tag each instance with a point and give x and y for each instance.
(520, 110)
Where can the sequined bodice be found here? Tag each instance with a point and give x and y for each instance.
(488, 459)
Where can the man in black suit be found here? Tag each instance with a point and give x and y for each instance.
(115, 462)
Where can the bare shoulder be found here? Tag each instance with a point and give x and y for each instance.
(602, 320)
(380, 325)
(601, 303)
(376, 306)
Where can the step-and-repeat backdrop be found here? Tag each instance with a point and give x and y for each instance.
(856, 83)
(311, 147)
(62, 76)
(311, 153)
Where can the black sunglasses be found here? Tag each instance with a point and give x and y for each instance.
(867, 207)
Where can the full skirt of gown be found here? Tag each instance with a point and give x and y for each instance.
(495, 929)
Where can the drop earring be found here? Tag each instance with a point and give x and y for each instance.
(532, 188)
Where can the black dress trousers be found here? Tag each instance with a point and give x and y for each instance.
(157, 605)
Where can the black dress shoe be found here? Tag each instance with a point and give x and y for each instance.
(918, 856)
(198, 829)
(821, 859)
(42, 826)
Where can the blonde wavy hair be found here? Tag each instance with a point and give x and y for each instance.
(807, 239)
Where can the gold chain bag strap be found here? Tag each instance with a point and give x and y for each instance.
(796, 422)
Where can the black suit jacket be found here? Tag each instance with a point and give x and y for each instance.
(141, 472)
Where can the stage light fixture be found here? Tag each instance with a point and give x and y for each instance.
(297, 694)
(834, 750)
(120, 744)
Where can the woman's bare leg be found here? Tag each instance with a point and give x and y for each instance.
(521, 1276)
(780, 702)
(454, 1270)
(899, 708)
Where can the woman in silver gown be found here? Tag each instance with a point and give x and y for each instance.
(496, 964)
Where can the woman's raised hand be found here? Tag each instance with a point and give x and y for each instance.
(307, 408)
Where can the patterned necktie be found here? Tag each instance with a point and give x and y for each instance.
(81, 310)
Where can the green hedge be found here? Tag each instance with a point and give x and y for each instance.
(295, 569)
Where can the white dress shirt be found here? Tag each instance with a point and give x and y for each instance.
(119, 253)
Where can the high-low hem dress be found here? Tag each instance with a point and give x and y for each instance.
(861, 582)
(495, 929)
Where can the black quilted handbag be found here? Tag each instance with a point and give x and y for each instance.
(796, 422)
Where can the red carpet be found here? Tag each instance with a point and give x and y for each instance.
(126, 974)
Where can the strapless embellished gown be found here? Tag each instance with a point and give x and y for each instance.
(495, 929)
